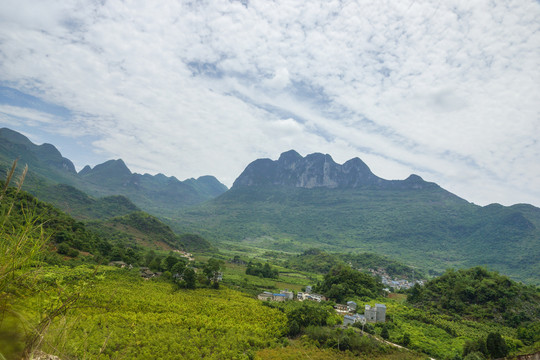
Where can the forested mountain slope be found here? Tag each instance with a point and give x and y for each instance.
(309, 202)
(157, 194)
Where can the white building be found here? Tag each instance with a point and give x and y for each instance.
(375, 314)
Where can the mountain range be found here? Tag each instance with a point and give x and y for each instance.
(157, 194)
(295, 203)
(298, 202)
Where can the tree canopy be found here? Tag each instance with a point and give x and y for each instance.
(342, 283)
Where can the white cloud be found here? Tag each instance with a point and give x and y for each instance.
(15, 114)
(448, 90)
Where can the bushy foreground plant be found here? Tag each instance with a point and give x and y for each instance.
(22, 248)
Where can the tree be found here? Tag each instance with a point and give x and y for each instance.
(170, 261)
(264, 271)
(62, 249)
(530, 333)
(384, 333)
(155, 264)
(178, 268)
(212, 270)
(343, 282)
(477, 346)
(406, 340)
(309, 314)
(496, 346)
(149, 257)
(189, 278)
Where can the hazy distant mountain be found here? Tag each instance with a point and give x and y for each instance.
(298, 202)
(157, 194)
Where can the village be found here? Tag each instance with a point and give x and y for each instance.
(393, 283)
(376, 314)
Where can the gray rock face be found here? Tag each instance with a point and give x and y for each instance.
(318, 170)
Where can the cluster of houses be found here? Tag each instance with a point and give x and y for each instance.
(185, 254)
(121, 264)
(283, 295)
(396, 284)
(376, 314)
(400, 284)
(146, 273)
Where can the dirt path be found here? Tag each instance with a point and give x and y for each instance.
(395, 345)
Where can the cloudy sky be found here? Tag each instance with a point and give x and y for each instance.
(447, 89)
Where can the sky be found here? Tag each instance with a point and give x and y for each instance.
(448, 90)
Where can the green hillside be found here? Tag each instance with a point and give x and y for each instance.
(318, 261)
(481, 295)
(63, 233)
(83, 207)
(149, 232)
(428, 227)
(157, 194)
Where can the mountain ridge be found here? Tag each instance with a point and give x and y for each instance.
(296, 203)
(319, 170)
(158, 194)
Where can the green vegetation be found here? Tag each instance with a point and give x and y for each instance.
(344, 283)
(55, 297)
(23, 237)
(480, 295)
(439, 335)
(147, 229)
(119, 315)
(529, 333)
(313, 260)
(315, 323)
(319, 261)
(234, 276)
(446, 230)
(60, 228)
(195, 242)
(54, 178)
(83, 207)
(306, 348)
(345, 340)
(301, 315)
(140, 231)
(258, 269)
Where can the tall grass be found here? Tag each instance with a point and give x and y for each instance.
(22, 241)
(22, 238)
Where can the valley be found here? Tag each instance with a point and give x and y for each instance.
(75, 245)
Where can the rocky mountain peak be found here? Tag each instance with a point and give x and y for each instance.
(115, 170)
(313, 170)
(289, 157)
(319, 170)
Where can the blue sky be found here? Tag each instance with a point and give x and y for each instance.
(449, 90)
